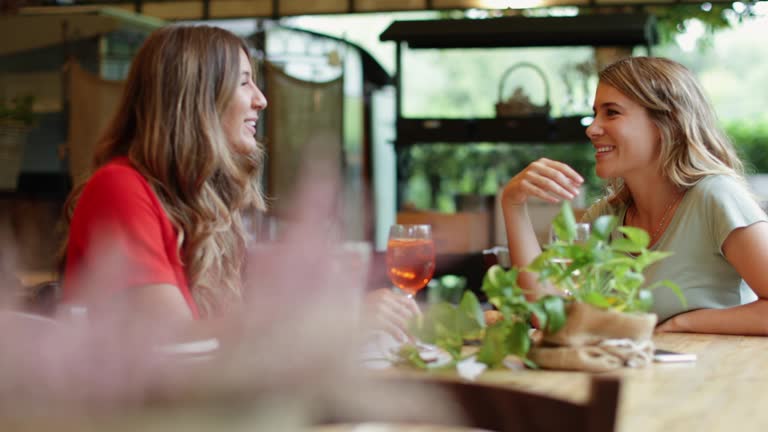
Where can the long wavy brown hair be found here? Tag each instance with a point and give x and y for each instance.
(692, 144)
(168, 125)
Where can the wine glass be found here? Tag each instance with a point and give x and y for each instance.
(581, 237)
(410, 257)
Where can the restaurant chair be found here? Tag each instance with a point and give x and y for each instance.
(488, 407)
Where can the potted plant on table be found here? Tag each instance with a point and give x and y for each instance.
(598, 322)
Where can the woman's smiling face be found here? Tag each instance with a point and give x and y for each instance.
(241, 115)
(625, 138)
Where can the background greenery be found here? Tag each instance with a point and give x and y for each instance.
(751, 140)
(723, 44)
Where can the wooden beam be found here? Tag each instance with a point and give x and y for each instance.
(47, 30)
(299, 7)
(242, 8)
(389, 5)
(176, 10)
(221, 9)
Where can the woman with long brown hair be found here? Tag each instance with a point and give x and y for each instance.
(160, 219)
(672, 172)
(172, 173)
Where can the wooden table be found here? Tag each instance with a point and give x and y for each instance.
(726, 389)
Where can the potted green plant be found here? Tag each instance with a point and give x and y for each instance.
(17, 111)
(603, 300)
(16, 117)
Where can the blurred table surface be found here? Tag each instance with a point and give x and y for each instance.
(725, 389)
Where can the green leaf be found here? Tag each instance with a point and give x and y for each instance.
(645, 300)
(511, 277)
(619, 262)
(603, 226)
(518, 339)
(529, 363)
(631, 280)
(653, 256)
(638, 236)
(554, 306)
(497, 276)
(494, 347)
(626, 245)
(675, 289)
(451, 342)
(541, 315)
(470, 308)
(539, 263)
(596, 299)
(448, 288)
(453, 282)
(564, 223)
(410, 354)
(440, 319)
(471, 318)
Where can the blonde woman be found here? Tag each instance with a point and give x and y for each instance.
(172, 175)
(672, 172)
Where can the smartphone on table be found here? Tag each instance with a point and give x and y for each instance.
(666, 356)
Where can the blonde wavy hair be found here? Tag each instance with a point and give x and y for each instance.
(692, 144)
(168, 124)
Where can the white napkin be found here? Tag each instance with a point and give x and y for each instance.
(380, 352)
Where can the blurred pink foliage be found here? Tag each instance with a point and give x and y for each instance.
(287, 358)
(296, 331)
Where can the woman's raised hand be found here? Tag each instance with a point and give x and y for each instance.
(549, 180)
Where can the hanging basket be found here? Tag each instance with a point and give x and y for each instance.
(518, 104)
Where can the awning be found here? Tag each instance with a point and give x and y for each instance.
(29, 30)
(581, 30)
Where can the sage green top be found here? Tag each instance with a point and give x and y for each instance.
(707, 214)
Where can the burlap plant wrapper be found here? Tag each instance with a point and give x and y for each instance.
(609, 355)
(597, 340)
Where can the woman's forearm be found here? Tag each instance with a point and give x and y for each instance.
(750, 319)
(523, 246)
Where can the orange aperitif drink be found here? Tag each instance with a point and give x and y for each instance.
(410, 260)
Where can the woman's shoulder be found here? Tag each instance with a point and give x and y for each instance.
(718, 185)
(119, 167)
(117, 184)
(117, 175)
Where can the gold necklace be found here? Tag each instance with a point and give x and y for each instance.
(664, 216)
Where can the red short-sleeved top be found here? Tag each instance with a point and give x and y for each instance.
(121, 236)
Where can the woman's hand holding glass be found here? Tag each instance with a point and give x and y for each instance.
(391, 312)
(410, 265)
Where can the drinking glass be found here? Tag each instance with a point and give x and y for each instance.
(582, 235)
(410, 257)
